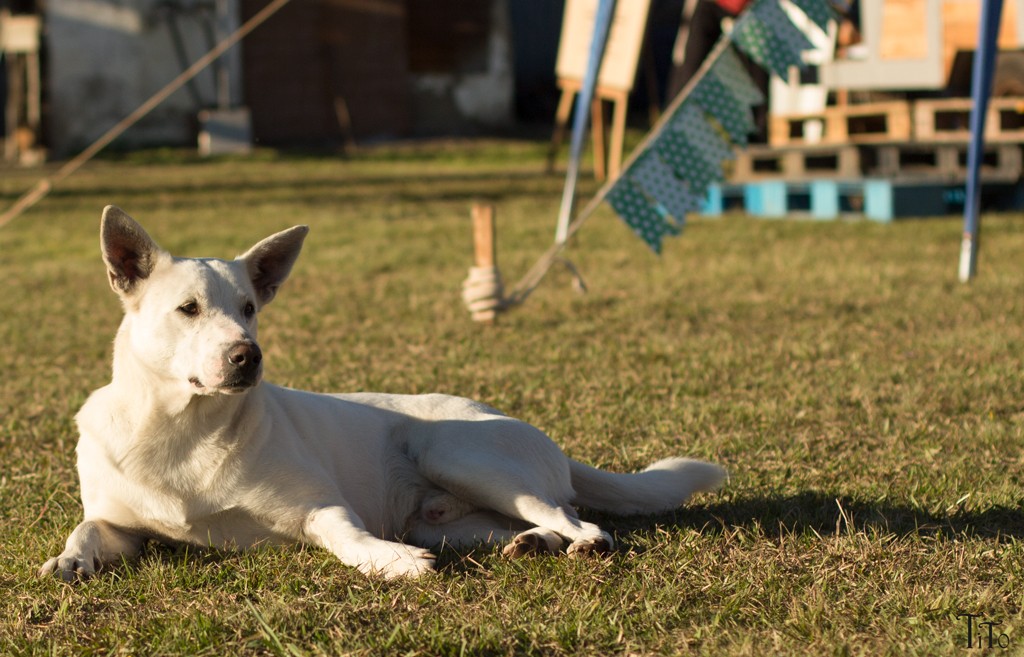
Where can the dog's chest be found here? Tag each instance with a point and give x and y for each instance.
(197, 500)
(229, 528)
(209, 518)
(171, 488)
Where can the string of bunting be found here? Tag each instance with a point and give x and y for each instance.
(667, 176)
(670, 174)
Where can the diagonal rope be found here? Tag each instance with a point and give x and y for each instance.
(43, 187)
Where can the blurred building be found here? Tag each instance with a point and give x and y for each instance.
(318, 72)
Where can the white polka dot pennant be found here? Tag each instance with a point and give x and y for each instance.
(647, 219)
(818, 11)
(693, 148)
(661, 184)
(717, 99)
(730, 70)
(766, 34)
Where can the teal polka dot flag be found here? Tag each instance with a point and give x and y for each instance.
(732, 114)
(730, 70)
(819, 12)
(755, 34)
(675, 149)
(644, 217)
(659, 182)
(784, 35)
(692, 149)
(711, 144)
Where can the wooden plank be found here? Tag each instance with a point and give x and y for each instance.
(796, 163)
(484, 252)
(864, 123)
(889, 121)
(947, 119)
(938, 160)
(484, 284)
(622, 50)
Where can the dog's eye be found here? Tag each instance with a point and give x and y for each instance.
(190, 309)
(249, 310)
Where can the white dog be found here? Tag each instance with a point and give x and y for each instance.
(186, 443)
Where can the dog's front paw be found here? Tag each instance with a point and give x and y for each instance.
(70, 567)
(399, 561)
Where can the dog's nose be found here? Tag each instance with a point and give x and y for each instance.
(245, 355)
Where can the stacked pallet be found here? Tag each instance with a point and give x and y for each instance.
(866, 123)
(883, 160)
(931, 120)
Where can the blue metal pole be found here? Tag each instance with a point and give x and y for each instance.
(602, 26)
(981, 87)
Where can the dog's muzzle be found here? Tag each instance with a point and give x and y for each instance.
(243, 367)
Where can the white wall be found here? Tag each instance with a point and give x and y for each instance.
(106, 57)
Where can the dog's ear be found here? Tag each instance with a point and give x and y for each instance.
(271, 260)
(129, 252)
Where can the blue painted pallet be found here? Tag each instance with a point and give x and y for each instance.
(878, 199)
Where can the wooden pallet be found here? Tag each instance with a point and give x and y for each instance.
(762, 162)
(850, 124)
(878, 199)
(947, 119)
(935, 160)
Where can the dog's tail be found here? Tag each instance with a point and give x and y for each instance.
(663, 486)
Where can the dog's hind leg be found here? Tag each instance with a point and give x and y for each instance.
(485, 528)
(584, 537)
(512, 468)
(91, 545)
(540, 530)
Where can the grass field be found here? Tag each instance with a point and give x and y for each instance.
(870, 410)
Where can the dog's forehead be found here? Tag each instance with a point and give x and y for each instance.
(211, 279)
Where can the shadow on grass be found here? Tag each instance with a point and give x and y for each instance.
(771, 516)
(826, 514)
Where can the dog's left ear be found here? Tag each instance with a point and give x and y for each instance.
(271, 260)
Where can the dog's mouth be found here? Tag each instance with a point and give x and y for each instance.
(198, 386)
(237, 388)
(233, 387)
